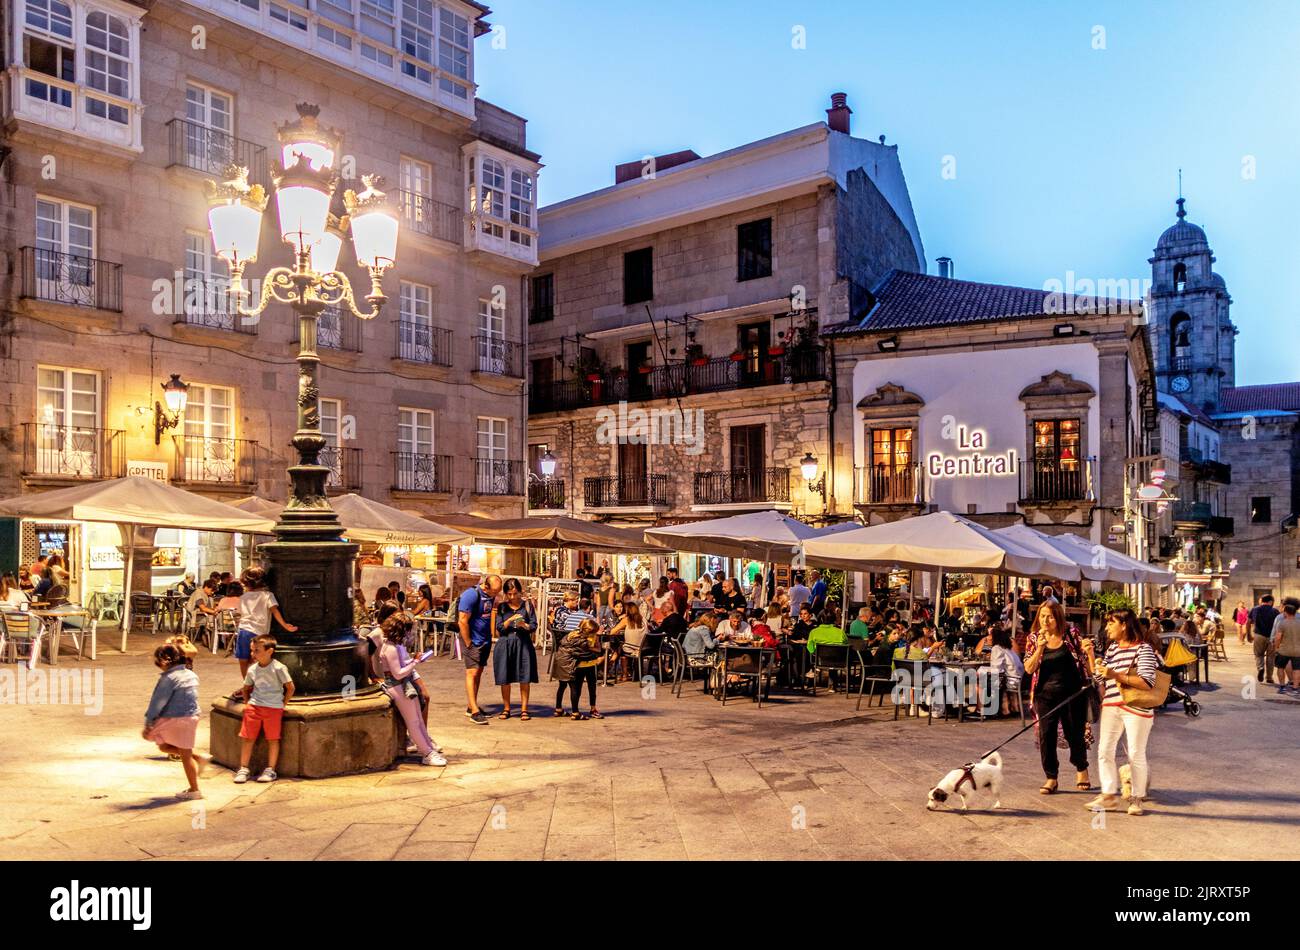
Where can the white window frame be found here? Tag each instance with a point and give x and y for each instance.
(455, 53)
(416, 193)
(493, 445)
(64, 271)
(206, 286)
(99, 79)
(64, 443)
(218, 460)
(331, 419)
(415, 322)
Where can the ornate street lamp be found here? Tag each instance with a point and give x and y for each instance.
(175, 395)
(311, 566)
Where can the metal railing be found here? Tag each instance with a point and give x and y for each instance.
(680, 379)
(209, 303)
(212, 151)
(345, 468)
(421, 343)
(624, 491)
(742, 486)
(498, 357)
(335, 330)
(436, 219)
(1181, 364)
(414, 471)
(71, 279)
(547, 495)
(885, 485)
(1048, 481)
(498, 476)
(202, 459)
(72, 451)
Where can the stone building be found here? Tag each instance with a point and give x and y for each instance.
(675, 363)
(115, 113)
(1232, 532)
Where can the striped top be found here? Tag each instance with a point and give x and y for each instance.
(1122, 660)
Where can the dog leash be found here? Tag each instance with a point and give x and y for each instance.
(1069, 699)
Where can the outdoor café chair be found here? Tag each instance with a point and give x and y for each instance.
(876, 675)
(142, 612)
(20, 636)
(647, 650)
(748, 662)
(227, 625)
(916, 688)
(1217, 649)
(686, 664)
(829, 657)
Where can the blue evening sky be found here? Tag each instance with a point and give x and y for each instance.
(1066, 156)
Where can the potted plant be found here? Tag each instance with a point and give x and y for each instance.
(738, 356)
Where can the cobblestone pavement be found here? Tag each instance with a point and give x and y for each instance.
(661, 777)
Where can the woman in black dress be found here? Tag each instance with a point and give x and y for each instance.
(514, 622)
(1056, 660)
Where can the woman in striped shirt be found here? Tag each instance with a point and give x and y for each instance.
(1129, 661)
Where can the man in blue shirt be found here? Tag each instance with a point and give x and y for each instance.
(475, 615)
(818, 593)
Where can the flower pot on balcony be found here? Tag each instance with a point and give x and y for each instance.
(700, 361)
(593, 377)
(737, 357)
(776, 351)
(645, 370)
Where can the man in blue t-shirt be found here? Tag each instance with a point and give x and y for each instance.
(474, 611)
(818, 593)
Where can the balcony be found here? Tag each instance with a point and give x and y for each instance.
(202, 460)
(882, 485)
(345, 468)
(70, 279)
(680, 379)
(1049, 483)
(79, 452)
(1201, 514)
(434, 219)
(498, 357)
(422, 343)
(45, 100)
(209, 304)
(1180, 364)
(498, 476)
(547, 495)
(1206, 469)
(757, 486)
(212, 151)
(414, 471)
(335, 330)
(625, 491)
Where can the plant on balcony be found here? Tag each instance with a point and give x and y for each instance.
(695, 355)
(645, 369)
(737, 357)
(1103, 602)
(804, 336)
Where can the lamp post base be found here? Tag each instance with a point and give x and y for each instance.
(320, 738)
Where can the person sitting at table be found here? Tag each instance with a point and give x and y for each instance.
(735, 627)
(760, 628)
(187, 586)
(631, 629)
(200, 605)
(227, 581)
(399, 595)
(360, 612)
(424, 603)
(776, 620)
(915, 648)
(11, 593)
(230, 600)
(1191, 631)
(673, 626)
(804, 625)
(731, 598)
(700, 639)
(860, 629)
(825, 632)
(1005, 666)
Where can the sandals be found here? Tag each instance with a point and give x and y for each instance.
(559, 711)
(524, 717)
(505, 714)
(1049, 787)
(1081, 781)
(577, 716)
(596, 714)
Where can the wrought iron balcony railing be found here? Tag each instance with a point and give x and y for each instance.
(547, 495)
(1050, 482)
(624, 491)
(424, 215)
(421, 343)
(742, 486)
(209, 303)
(498, 357)
(71, 279)
(886, 485)
(498, 476)
(212, 151)
(413, 471)
(72, 451)
(680, 379)
(205, 460)
(345, 468)
(335, 330)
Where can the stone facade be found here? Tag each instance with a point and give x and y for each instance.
(145, 202)
(1264, 452)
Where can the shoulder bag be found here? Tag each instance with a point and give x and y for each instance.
(1147, 697)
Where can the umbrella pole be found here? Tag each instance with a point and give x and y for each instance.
(126, 583)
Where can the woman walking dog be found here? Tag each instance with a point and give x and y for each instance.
(1060, 668)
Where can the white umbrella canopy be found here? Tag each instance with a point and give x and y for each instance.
(365, 519)
(1121, 566)
(761, 535)
(1054, 544)
(938, 541)
(257, 505)
(135, 500)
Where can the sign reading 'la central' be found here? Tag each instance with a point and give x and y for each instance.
(973, 461)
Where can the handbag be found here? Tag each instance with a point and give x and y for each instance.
(1147, 697)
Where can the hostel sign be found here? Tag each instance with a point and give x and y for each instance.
(970, 458)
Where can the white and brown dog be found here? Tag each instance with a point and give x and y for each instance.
(985, 774)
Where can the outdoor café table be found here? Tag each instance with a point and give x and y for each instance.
(798, 673)
(166, 608)
(51, 623)
(1199, 649)
(965, 668)
(748, 659)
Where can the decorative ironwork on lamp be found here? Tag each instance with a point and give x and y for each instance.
(175, 395)
(808, 465)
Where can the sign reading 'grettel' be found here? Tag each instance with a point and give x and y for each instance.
(973, 460)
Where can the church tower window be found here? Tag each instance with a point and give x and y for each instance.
(1180, 337)
(1180, 277)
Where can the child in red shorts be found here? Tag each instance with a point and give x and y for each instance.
(267, 687)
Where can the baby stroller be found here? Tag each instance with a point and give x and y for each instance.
(1176, 660)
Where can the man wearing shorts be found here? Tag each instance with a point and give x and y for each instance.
(1286, 645)
(267, 687)
(475, 614)
(1260, 624)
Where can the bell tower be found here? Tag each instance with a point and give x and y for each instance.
(1192, 336)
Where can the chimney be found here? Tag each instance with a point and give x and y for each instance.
(649, 167)
(945, 266)
(837, 116)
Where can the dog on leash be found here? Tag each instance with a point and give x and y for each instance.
(1126, 780)
(984, 775)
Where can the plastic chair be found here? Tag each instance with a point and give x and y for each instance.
(227, 625)
(142, 613)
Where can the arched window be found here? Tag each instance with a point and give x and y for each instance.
(1180, 277)
(1180, 341)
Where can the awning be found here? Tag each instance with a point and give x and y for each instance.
(761, 535)
(365, 519)
(557, 531)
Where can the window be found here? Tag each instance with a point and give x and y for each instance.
(415, 194)
(638, 276)
(207, 285)
(331, 35)
(54, 60)
(542, 308)
(51, 17)
(487, 196)
(210, 453)
(1056, 444)
(210, 122)
(453, 53)
(417, 38)
(67, 410)
(1180, 277)
(1261, 509)
(492, 346)
(491, 466)
(415, 464)
(521, 206)
(331, 412)
(108, 64)
(891, 450)
(754, 250)
(340, 11)
(1180, 341)
(542, 372)
(286, 15)
(65, 249)
(415, 323)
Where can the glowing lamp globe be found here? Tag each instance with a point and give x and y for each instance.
(235, 228)
(325, 253)
(316, 154)
(304, 209)
(374, 236)
(808, 466)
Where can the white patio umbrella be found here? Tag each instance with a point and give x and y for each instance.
(760, 535)
(365, 519)
(1054, 544)
(134, 501)
(1120, 565)
(938, 541)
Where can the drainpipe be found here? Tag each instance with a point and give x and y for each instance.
(830, 438)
